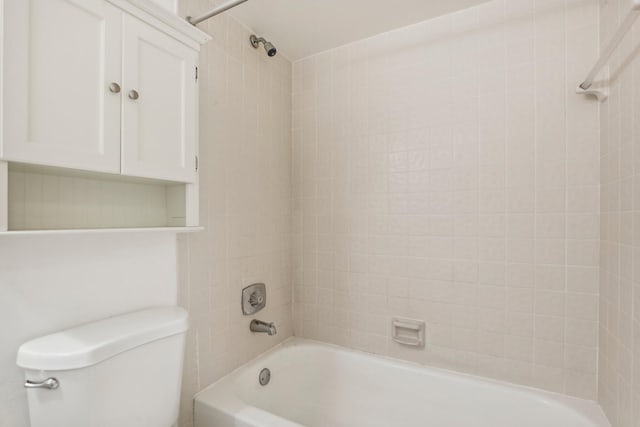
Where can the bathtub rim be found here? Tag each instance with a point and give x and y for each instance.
(585, 408)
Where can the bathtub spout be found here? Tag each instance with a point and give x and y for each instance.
(264, 327)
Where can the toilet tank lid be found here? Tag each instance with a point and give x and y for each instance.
(94, 342)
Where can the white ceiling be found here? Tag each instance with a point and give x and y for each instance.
(299, 28)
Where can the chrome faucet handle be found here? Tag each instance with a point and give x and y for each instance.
(49, 383)
(256, 299)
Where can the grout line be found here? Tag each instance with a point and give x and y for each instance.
(567, 83)
(535, 198)
(507, 262)
(599, 214)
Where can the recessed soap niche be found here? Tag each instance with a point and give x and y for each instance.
(409, 332)
(46, 198)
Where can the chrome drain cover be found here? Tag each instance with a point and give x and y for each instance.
(265, 376)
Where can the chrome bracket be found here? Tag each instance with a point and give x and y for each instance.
(601, 94)
(598, 89)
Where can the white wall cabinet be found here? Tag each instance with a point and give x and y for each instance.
(89, 86)
(59, 58)
(106, 86)
(158, 112)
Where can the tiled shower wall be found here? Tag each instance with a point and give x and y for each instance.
(619, 373)
(245, 197)
(447, 171)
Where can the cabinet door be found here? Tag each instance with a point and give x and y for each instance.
(60, 58)
(158, 110)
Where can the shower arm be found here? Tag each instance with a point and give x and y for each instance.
(213, 12)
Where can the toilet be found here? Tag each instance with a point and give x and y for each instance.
(124, 371)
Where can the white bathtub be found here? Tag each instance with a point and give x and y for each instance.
(319, 385)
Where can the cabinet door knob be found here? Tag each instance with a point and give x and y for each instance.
(114, 88)
(133, 94)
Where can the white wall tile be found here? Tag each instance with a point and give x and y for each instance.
(468, 174)
(619, 387)
(246, 152)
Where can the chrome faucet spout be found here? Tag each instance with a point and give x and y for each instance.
(263, 327)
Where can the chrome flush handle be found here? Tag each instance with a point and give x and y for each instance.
(49, 383)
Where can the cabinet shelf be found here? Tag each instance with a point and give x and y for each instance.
(176, 230)
(43, 199)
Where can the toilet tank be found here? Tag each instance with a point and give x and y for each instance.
(123, 371)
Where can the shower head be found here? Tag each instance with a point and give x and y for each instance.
(268, 46)
(270, 49)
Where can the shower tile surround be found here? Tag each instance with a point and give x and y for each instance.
(447, 171)
(619, 361)
(245, 200)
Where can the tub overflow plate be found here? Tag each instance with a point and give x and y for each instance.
(265, 376)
